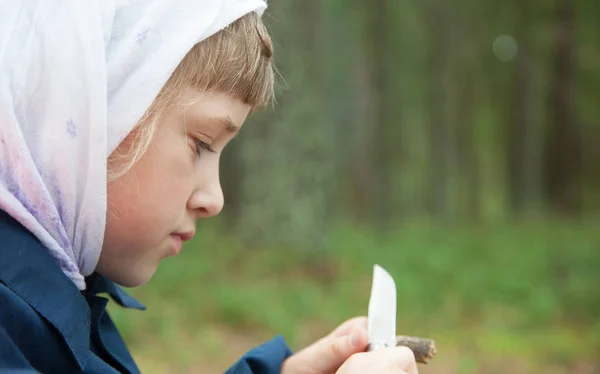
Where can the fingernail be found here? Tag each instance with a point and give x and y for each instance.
(355, 339)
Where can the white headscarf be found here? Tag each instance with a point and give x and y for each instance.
(75, 77)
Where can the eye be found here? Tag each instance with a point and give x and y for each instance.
(202, 146)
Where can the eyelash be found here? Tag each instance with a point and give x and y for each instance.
(202, 146)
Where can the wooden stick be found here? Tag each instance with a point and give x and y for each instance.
(424, 349)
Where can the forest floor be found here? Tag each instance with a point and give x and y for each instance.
(512, 299)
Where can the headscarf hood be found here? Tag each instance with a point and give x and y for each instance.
(75, 78)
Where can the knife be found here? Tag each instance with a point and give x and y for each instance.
(382, 320)
(382, 311)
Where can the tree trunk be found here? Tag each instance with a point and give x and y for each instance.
(563, 151)
(287, 163)
(383, 129)
(363, 139)
(522, 137)
(439, 162)
(467, 157)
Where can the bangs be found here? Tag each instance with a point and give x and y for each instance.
(237, 61)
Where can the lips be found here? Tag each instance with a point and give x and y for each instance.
(185, 236)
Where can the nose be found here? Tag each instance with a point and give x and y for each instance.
(207, 201)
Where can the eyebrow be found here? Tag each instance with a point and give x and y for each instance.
(226, 123)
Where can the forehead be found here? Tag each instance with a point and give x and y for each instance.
(214, 106)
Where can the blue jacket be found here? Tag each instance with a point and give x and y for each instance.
(47, 325)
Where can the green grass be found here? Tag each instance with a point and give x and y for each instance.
(530, 291)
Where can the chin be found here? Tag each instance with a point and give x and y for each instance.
(133, 278)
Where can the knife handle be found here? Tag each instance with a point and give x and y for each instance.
(424, 349)
(376, 345)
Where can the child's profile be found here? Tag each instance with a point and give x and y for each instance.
(113, 118)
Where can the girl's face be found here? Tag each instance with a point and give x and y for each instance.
(153, 208)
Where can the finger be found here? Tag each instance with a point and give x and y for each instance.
(327, 355)
(399, 358)
(338, 349)
(350, 326)
(408, 355)
(405, 359)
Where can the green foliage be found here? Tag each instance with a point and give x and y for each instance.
(525, 290)
(399, 117)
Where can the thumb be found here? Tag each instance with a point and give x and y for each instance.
(327, 355)
(337, 350)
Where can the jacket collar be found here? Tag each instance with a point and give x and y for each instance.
(31, 273)
(98, 284)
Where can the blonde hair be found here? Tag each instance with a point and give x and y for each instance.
(237, 60)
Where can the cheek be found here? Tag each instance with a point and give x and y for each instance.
(126, 216)
(168, 180)
(152, 196)
(159, 196)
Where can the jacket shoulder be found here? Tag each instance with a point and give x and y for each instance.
(265, 359)
(25, 336)
(11, 357)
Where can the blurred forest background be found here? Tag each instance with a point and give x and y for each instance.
(455, 143)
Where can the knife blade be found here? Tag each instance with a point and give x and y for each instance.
(382, 310)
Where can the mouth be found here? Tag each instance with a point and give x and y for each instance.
(184, 236)
(179, 238)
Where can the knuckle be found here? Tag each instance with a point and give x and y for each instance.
(409, 362)
(340, 347)
(336, 349)
(406, 352)
(356, 359)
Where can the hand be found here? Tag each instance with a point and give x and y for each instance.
(329, 353)
(398, 360)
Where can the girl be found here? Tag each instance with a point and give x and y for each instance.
(113, 115)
